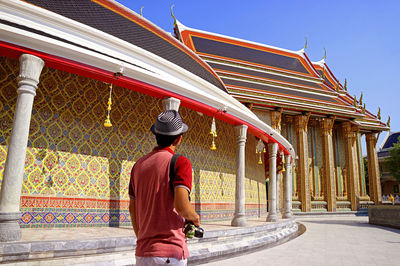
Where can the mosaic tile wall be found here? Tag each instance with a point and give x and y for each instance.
(361, 169)
(315, 159)
(77, 171)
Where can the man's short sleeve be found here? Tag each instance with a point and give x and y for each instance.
(183, 173)
(131, 190)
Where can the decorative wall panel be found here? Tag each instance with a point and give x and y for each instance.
(77, 171)
(340, 164)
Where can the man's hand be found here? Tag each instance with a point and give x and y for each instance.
(184, 207)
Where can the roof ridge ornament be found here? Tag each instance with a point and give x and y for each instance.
(303, 50)
(379, 113)
(388, 122)
(337, 87)
(323, 72)
(361, 98)
(345, 84)
(355, 101)
(141, 11)
(324, 55)
(172, 14)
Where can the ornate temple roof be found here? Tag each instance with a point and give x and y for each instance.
(269, 76)
(368, 121)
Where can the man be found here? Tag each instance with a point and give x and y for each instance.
(158, 214)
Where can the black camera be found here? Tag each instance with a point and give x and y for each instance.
(193, 231)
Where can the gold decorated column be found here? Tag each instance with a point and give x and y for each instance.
(302, 165)
(373, 169)
(353, 192)
(328, 163)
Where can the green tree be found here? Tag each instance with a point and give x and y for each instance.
(393, 162)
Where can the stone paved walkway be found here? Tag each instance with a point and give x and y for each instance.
(330, 241)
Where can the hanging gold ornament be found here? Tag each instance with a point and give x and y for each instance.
(213, 147)
(107, 122)
(283, 162)
(213, 132)
(260, 148)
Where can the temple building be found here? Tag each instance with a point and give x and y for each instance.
(82, 81)
(389, 184)
(305, 102)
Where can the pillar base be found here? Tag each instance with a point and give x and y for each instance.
(272, 217)
(287, 215)
(9, 227)
(239, 220)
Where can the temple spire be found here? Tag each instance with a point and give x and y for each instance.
(303, 50)
(172, 14)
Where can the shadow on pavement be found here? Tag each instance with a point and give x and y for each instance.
(353, 223)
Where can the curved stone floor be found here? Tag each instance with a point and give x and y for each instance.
(330, 241)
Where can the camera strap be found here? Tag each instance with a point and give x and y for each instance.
(172, 172)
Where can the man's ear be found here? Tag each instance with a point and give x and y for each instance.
(178, 140)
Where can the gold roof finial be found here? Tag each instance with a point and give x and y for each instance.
(355, 101)
(172, 14)
(305, 45)
(345, 84)
(388, 122)
(324, 54)
(361, 98)
(379, 114)
(141, 11)
(323, 72)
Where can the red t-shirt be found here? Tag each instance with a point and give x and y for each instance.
(160, 226)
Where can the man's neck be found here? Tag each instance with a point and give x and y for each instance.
(172, 147)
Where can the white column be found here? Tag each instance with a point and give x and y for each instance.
(171, 103)
(239, 218)
(288, 187)
(30, 69)
(272, 149)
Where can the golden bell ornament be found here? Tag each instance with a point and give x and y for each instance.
(259, 160)
(213, 130)
(107, 122)
(213, 147)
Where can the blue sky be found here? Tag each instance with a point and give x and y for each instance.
(361, 37)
